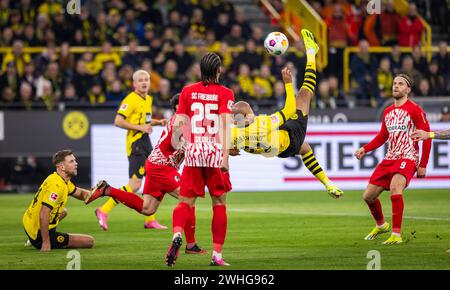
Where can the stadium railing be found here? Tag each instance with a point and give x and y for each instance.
(378, 50)
(401, 7)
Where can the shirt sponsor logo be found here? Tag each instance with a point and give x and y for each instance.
(275, 119)
(124, 107)
(53, 197)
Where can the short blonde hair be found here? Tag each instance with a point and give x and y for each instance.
(138, 72)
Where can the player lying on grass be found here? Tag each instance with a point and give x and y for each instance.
(48, 207)
(283, 133)
(161, 177)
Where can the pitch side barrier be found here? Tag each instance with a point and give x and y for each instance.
(333, 144)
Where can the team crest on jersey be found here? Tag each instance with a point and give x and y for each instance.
(275, 119)
(294, 117)
(142, 170)
(124, 107)
(60, 239)
(53, 197)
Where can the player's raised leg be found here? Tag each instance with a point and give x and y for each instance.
(306, 92)
(314, 167)
(398, 184)
(371, 198)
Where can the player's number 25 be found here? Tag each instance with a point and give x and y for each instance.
(202, 112)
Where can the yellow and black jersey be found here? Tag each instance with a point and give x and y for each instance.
(263, 136)
(137, 111)
(53, 194)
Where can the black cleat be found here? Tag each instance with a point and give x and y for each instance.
(172, 253)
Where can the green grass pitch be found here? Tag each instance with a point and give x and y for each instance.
(266, 230)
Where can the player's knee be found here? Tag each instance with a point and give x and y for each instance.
(135, 185)
(148, 211)
(369, 198)
(396, 189)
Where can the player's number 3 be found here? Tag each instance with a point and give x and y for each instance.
(203, 112)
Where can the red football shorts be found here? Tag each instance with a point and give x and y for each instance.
(160, 180)
(387, 168)
(194, 179)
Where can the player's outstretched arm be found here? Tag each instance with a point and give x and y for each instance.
(290, 105)
(81, 193)
(420, 135)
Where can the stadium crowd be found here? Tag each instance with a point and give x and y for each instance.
(176, 34)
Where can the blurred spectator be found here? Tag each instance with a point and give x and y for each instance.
(249, 56)
(389, 21)
(324, 99)
(116, 93)
(245, 81)
(17, 57)
(29, 76)
(443, 59)
(55, 79)
(66, 60)
(132, 57)
(240, 19)
(45, 94)
(424, 88)
(408, 69)
(194, 74)
(170, 73)
(235, 37)
(445, 114)
(196, 22)
(26, 96)
(8, 97)
(337, 94)
(125, 75)
(162, 98)
(279, 93)
(420, 62)
(363, 66)
(396, 59)
(183, 59)
(222, 26)
(410, 28)
(69, 94)
(258, 36)
(437, 81)
(28, 37)
(96, 94)
(81, 80)
(10, 78)
(264, 82)
(298, 58)
(134, 25)
(7, 37)
(385, 79)
(338, 38)
(106, 55)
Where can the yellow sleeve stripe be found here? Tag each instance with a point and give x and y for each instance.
(309, 158)
(313, 166)
(310, 75)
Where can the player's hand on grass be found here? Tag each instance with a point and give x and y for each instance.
(45, 247)
(419, 135)
(287, 75)
(360, 153)
(147, 128)
(234, 152)
(421, 172)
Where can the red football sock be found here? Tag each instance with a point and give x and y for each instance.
(180, 217)
(397, 212)
(377, 211)
(189, 230)
(129, 199)
(219, 226)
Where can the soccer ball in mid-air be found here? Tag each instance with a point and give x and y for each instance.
(276, 43)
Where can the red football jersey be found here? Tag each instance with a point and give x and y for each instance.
(397, 126)
(164, 153)
(203, 106)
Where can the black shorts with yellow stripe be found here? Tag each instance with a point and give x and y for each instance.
(296, 127)
(57, 240)
(140, 150)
